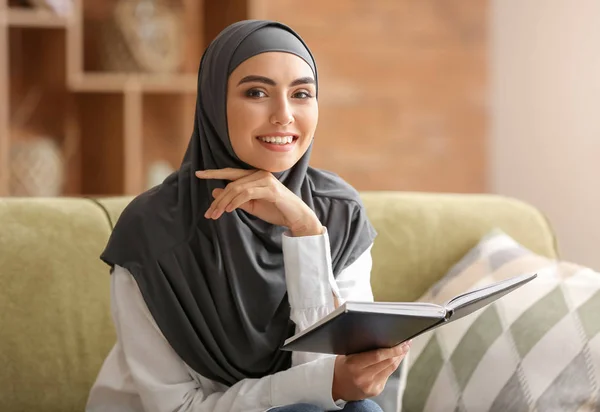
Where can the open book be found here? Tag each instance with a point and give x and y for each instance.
(361, 326)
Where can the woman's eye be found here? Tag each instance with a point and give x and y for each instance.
(255, 93)
(302, 95)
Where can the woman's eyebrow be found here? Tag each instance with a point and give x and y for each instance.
(271, 82)
(302, 80)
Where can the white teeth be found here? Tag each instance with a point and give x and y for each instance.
(277, 139)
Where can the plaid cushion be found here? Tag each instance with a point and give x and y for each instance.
(536, 348)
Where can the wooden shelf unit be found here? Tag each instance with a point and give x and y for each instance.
(111, 126)
(21, 17)
(114, 83)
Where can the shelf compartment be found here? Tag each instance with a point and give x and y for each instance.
(101, 120)
(34, 18)
(168, 121)
(118, 82)
(106, 58)
(111, 124)
(39, 109)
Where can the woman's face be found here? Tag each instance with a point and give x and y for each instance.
(272, 111)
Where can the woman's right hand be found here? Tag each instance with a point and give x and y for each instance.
(364, 375)
(261, 194)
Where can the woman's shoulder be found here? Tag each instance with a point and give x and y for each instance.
(330, 185)
(146, 224)
(150, 204)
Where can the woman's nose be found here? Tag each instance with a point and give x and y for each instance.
(282, 114)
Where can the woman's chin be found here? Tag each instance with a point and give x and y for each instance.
(281, 165)
(277, 168)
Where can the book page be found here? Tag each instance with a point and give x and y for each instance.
(399, 305)
(467, 303)
(399, 308)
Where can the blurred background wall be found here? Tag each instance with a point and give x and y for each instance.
(402, 99)
(544, 135)
(486, 96)
(403, 89)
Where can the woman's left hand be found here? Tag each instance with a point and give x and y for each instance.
(259, 193)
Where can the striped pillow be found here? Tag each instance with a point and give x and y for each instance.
(536, 348)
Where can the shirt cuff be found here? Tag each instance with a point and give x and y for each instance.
(308, 271)
(308, 383)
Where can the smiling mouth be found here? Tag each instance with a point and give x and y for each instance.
(278, 140)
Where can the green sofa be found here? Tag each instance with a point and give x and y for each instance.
(55, 323)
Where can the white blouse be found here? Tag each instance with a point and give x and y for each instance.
(143, 373)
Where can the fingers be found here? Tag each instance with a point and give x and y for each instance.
(374, 357)
(251, 193)
(371, 381)
(381, 378)
(388, 363)
(225, 174)
(373, 384)
(217, 192)
(385, 373)
(243, 186)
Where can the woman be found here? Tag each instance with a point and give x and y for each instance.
(239, 249)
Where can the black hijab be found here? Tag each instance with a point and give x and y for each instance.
(216, 288)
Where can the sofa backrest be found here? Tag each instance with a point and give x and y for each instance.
(421, 235)
(55, 322)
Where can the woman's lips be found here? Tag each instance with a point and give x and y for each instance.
(278, 142)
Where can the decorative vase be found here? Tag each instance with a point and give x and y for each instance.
(157, 172)
(60, 7)
(143, 36)
(36, 167)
